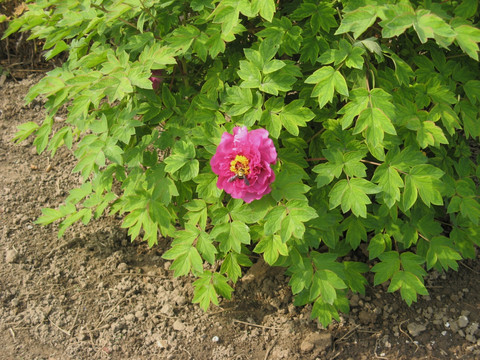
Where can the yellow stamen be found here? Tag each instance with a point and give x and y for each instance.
(240, 162)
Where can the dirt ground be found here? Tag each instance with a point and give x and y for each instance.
(95, 295)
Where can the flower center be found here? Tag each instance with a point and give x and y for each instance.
(239, 165)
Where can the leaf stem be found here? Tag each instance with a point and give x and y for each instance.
(315, 135)
(423, 237)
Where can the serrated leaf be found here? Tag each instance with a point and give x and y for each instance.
(231, 236)
(423, 180)
(352, 195)
(273, 220)
(324, 284)
(411, 262)
(204, 292)
(294, 115)
(387, 267)
(271, 247)
(466, 8)
(231, 267)
(428, 25)
(409, 285)
(272, 66)
(378, 244)
(358, 20)
(441, 254)
(25, 130)
(185, 259)
(397, 19)
(472, 90)
(356, 231)
(467, 38)
(353, 275)
(390, 182)
(327, 80)
(206, 248)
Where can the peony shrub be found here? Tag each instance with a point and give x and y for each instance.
(335, 139)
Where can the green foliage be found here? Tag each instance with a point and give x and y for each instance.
(373, 108)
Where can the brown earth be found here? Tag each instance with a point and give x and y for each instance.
(95, 295)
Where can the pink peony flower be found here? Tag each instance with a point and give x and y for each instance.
(242, 163)
(156, 78)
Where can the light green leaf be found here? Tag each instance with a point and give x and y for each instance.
(352, 195)
(271, 247)
(327, 80)
(409, 285)
(467, 38)
(294, 115)
(441, 254)
(387, 267)
(358, 21)
(378, 244)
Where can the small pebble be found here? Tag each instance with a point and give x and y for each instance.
(11, 256)
(215, 339)
(415, 329)
(462, 321)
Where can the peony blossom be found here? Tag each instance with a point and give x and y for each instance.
(156, 79)
(242, 163)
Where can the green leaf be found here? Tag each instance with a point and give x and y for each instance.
(448, 116)
(324, 284)
(423, 180)
(356, 231)
(204, 292)
(24, 131)
(250, 75)
(327, 80)
(411, 263)
(358, 20)
(272, 66)
(231, 267)
(207, 187)
(185, 259)
(183, 159)
(352, 195)
(353, 278)
(466, 9)
(428, 25)
(273, 220)
(442, 254)
(206, 248)
(378, 244)
(271, 247)
(266, 8)
(375, 123)
(359, 100)
(472, 90)
(231, 236)
(403, 71)
(325, 312)
(398, 18)
(294, 115)
(387, 267)
(390, 182)
(409, 285)
(467, 38)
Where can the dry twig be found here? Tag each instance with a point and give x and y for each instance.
(58, 327)
(403, 332)
(270, 348)
(255, 325)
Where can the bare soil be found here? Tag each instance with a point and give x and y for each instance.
(93, 294)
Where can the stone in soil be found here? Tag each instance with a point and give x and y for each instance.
(318, 341)
(415, 329)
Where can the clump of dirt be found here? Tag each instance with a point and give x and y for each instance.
(95, 295)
